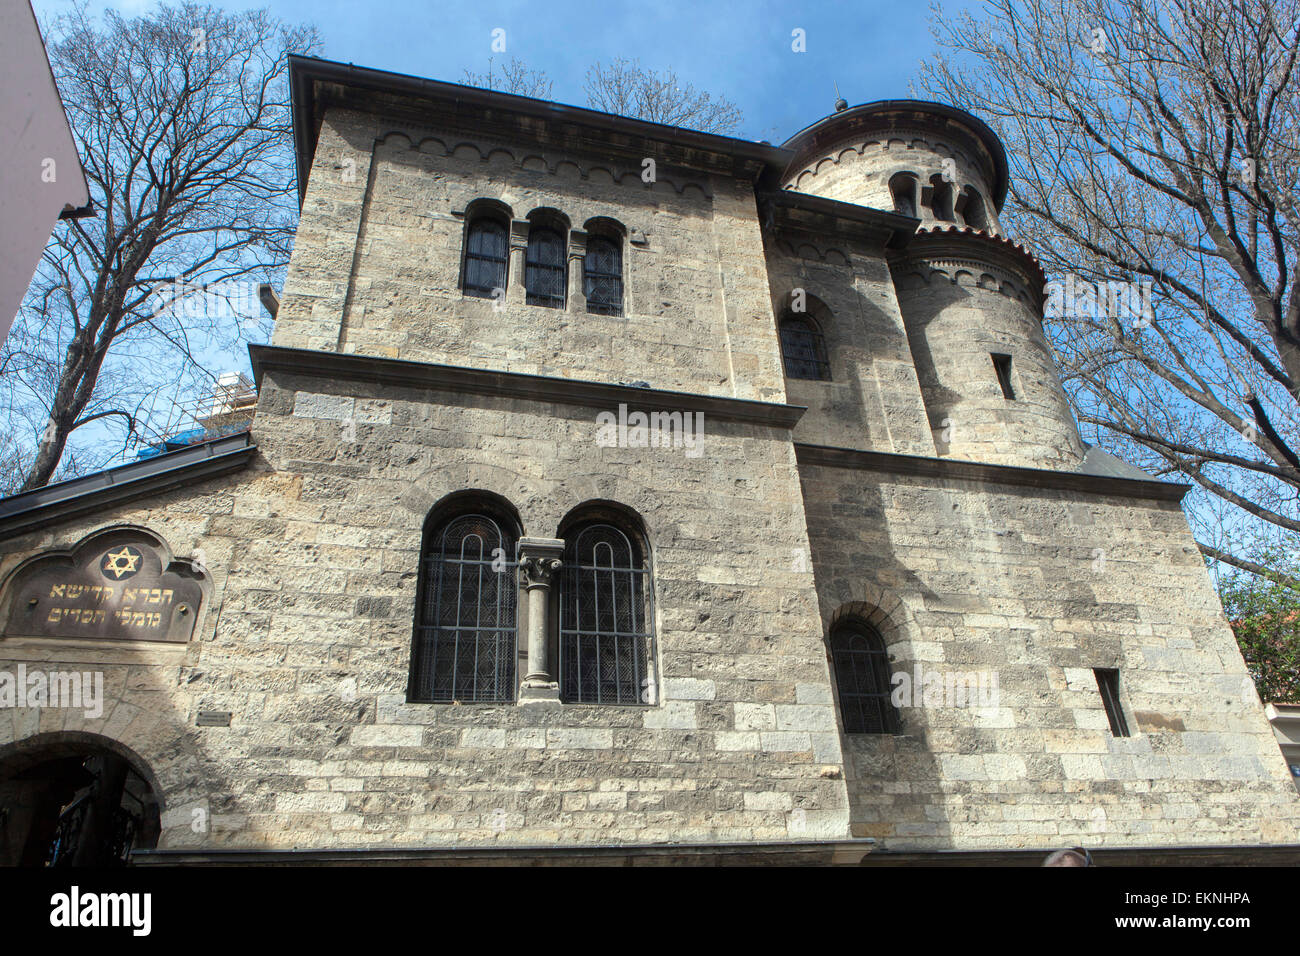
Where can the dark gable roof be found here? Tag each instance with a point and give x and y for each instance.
(31, 510)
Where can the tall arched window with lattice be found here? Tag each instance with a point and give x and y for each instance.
(486, 257)
(606, 629)
(603, 276)
(861, 668)
(465, 633)
(803, 348)
(544, 268)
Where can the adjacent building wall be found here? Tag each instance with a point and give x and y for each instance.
(1037, 587)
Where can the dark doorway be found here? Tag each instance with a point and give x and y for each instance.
(73, 803)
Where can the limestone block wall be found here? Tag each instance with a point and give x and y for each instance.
(959, 313)
(376, 267)
(873, 400)
(315, 558)
(1038, 587)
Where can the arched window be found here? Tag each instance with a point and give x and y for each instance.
(465, 638)
(602, 279)
(803, 349)
(902, 187)
(941, 198)
(486, 255)
(544, 272)
(862, 678)
(605, 618)
(973, 211)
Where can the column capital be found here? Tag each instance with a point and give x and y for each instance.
(539, 559)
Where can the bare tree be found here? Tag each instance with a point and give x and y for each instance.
(182, 124)
(513, 77)
(628, 89)
(1158, 145)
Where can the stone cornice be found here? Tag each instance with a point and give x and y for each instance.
(788, 210)
(962, 246)
(950, 469)
(336, 366)
(317, 85)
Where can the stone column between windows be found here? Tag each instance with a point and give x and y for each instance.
(516, 292)
(577, 297)
(539, 563)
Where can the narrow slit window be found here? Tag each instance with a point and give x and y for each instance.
(1108, 685)
(1002, 364)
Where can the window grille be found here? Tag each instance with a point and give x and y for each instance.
(465, 641)
(862, 678)
(603, 277)
(486, 251)
(605, 614)
(804, 350)
(544, 272)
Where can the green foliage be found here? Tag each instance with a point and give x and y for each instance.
(1265, 616)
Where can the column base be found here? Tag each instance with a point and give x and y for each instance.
(539, 692)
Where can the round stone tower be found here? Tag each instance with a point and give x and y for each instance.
(971, 300)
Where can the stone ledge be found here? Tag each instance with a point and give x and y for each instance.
(401, 373)
(986, 474)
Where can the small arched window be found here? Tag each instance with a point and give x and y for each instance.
(973, 210)
(605, 618)
(603, 276)
(803, 349)
(902, 187)
(465, 637)
(861, 669)
(941, 198)
(544, 269)
(486, 257)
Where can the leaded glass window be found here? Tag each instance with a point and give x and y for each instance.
(486, 251)
(465, 637)
(862, 677)
(603, 277)
(803, 349)
(544, 268)
(605, 629)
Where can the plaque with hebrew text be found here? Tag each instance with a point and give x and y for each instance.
(111, 588)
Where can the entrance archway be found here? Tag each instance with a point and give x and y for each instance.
(75, 799)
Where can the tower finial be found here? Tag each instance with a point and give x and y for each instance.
(840, 104)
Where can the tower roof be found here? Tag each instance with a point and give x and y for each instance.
(884, 114)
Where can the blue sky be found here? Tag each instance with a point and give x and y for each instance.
(741, 50)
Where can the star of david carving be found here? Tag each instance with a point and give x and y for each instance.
(121, 564)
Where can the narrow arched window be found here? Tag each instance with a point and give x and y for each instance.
(941, 199)
(862, 678)
(605, 629)
(902, 187)
(603, 276)
(803, 349)
(465, 638)
(544, 277)
(486, 251)
(973, 210)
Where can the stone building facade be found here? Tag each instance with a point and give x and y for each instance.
(773, 429)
